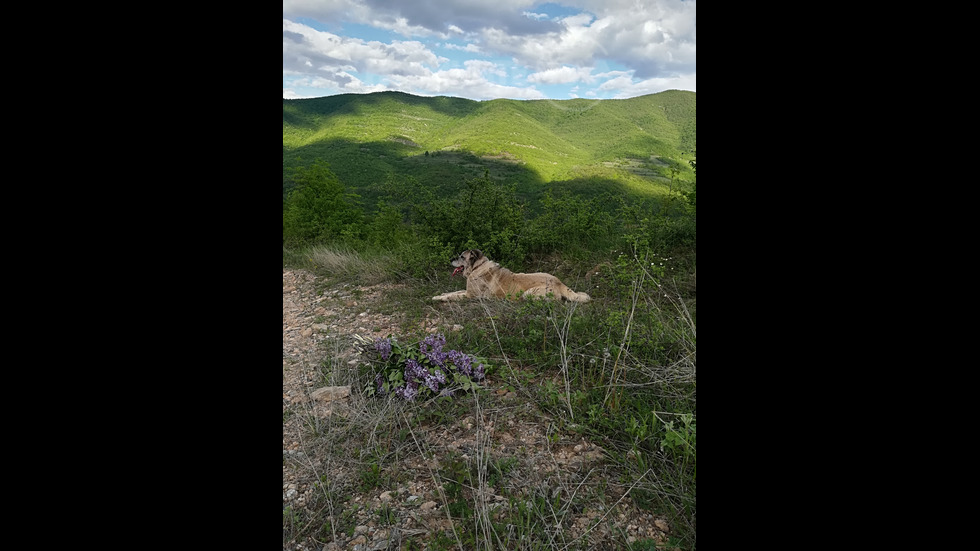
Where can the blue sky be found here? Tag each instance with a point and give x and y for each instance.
(479, 49)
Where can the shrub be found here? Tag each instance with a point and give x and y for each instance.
(484, 215)
(570, 223)
(319, 209)
(425, 369)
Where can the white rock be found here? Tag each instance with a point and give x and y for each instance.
(331, 393)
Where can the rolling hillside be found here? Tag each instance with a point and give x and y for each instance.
(587, 145)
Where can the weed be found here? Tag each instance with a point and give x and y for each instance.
(370, 475)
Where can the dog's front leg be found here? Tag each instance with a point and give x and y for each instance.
(446, 297)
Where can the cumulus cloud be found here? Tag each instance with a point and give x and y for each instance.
(328, 59)
(552, 43)
(562, 75)
(323, 60)
(654, 39)
(538, 16)
(472, 81)
(623, 84)
(467, 15)
(471, 48)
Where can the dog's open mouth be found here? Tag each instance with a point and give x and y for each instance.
(456, 271)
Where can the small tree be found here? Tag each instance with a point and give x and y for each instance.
(319, 209)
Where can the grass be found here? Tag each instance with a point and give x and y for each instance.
(348, 264)
(616, 377)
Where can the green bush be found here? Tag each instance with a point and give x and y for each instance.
(570, 224)
(319, 209)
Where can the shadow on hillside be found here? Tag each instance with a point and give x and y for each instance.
(364, 167)
(301, 112)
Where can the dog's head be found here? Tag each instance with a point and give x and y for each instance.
(466, 261)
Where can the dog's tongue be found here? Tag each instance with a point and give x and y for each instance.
(456, 271)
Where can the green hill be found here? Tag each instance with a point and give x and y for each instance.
(587, 145)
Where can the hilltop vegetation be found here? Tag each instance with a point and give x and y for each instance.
(628, 145)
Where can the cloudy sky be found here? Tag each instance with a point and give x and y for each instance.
(486, 49)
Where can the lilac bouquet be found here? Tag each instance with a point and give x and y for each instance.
(424, 369)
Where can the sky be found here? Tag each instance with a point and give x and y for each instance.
(488, 49)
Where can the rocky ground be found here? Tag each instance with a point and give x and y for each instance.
(365, 473)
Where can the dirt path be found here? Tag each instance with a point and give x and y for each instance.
(366, 474)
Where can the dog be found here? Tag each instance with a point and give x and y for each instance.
(485, 279)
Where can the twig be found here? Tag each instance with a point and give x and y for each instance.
(563, 352)
(495, 334)
(626, 334)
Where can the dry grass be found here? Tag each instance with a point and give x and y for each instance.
(369, 269)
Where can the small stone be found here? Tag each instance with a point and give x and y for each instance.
(307, 332)
(386, 496)
(331, 393)
(359, 540)
(362, 529)
(661, 525)
(428, 506)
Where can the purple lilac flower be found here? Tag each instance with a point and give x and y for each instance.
(433, 380)
(383, 346)
(413, 370)
(379, 380)
(463, 362)
(435, 353)
(478, 372)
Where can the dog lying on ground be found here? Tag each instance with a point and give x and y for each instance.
(485, 278)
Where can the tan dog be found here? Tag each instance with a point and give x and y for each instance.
(485, 278)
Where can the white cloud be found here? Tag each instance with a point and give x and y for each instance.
(472, 81)
(655, 41)
(562, 75)
(327, 60)
(471, 48)
(624, 86)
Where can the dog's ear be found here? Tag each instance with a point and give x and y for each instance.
(475, 254)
